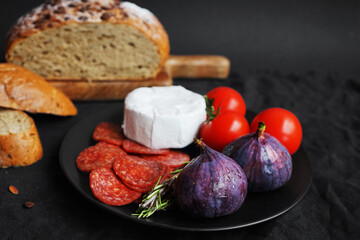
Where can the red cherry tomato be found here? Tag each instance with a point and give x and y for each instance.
(281, 124)
(224, 128)
(228, 99)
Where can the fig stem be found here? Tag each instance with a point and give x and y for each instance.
(199, 142)
(261, 129)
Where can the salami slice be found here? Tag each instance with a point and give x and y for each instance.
(108, 145)
(108, 188)
(109, 132)
(139, 174)
(100, 155)
(173, 159)
(133, 147)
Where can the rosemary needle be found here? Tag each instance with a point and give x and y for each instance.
(159, 198)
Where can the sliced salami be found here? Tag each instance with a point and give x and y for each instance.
(133, 147)
(108, 188)
(109, 132)
(100, 155)
(107, 145)
(139, 174)
(173, 159)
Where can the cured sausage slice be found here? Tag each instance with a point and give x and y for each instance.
(108, 188)
(133, 147)
(139, 174)
(109, 132)
(173, 159)
(100, 155)
(106, 145)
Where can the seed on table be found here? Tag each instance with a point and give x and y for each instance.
(13, 189)
(29, 204)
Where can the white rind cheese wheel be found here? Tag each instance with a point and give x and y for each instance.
(163, 117)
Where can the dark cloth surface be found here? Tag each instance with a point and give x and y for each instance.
(316, 79)
(327, 106)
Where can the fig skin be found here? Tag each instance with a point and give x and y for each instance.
(266, 162)
(211, 185)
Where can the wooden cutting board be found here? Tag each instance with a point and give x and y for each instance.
(181, 66)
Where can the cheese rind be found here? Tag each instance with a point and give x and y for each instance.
(163, 117)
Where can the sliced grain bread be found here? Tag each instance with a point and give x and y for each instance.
(19, 140)
(89, 40)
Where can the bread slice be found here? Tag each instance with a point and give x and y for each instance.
(23, 90)
(89, 40)
(19, 140)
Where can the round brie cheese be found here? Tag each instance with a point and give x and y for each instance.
(163, 117)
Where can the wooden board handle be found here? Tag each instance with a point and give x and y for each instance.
(198, 66)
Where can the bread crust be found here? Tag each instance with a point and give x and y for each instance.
(20, 149)
(57, 13)
(23, 90)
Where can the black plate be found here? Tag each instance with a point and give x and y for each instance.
(257, 207)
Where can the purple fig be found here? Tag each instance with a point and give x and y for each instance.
(211, 185)
(266, 162)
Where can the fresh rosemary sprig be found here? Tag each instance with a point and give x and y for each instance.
(159, 198)
(153, 201)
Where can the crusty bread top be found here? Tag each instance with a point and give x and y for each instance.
(23, 90)
(55, 13)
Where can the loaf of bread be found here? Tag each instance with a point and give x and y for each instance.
(19, 140)
(23, 90)
(89, 40)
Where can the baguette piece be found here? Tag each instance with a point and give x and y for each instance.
(89, 40)
(19, 140)
(23, 90)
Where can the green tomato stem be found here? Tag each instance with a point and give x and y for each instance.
(210, 109)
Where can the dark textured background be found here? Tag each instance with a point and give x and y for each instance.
(282, 35)
(300, 55)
